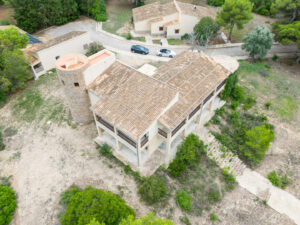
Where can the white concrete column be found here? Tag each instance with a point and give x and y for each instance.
(168, 146)
(198, 118)
(138, 151)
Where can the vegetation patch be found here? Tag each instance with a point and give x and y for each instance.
(153, 189)
(279, 180)
(2, 146)
(175, 42)
(246, 134)
(118, 16)
(277, 92)
(184, 200)
(82, 206)
(8, 201)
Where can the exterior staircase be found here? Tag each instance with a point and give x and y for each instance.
(223, 159)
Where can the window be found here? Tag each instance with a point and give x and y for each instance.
(161, 28)
(76, 84)
(176, 31)
(57, 57)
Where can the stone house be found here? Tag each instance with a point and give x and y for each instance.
(172, 19)
(143, 118)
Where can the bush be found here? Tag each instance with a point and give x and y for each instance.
(184, 200)
(275, 57)
(228, 178)
(230, 85)
(185, 37)
(94, 48)
(257, 142)
(214, 195)
(150, 219)
(2, 146)
(205, 29)
(104, 150)
(215, 2)
(4, 22)
(85, 205)
(98, 10)
(213, 217)
(268, 105)
(185, 220)
(278, 181)
(249, 102)
(188, 154)
(238, 94)
(8, 204)
(153, 190)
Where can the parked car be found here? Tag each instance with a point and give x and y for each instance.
(139, 49)
(166, 53)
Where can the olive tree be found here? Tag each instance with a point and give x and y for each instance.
(258, 42)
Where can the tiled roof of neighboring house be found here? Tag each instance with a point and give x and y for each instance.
(131, 100)
(57, 40)
(195, 76)
(196, 10)
(153, 11)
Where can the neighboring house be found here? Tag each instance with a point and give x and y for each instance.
(142, 118)
(42, 56)
(172, 19)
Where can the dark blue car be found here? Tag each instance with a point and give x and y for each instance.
(139, 49)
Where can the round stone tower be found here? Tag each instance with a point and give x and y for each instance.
(70, 70)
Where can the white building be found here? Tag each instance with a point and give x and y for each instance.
(144, 118)
(172, 19)
(43, 55)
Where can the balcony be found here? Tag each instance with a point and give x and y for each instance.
(144, 140)
(104, 123)
(127, 139)
(162, 133)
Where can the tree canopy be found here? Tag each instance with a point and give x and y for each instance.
(8, 204)
(262, 7)
(234, 12)
(258, 42)
(32, 15)
(150, 219)
(289, 33)
(14, 70)
(289, 8)
(204, 29)
(84, 206)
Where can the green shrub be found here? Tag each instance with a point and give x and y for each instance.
(185, 37)
(8, 204)
(268, 105)
(184, 200)
(215, 2)
(257, 142)
(153, 189)
(2, 146)
(238, 94)
(68, 194)
(249, 102)
(85, 205)
(185, 220)
(94, 48)
(213, 217)
(278, 181)
(104, 150)
(4, 22)
(228, 178)
(214, 195)
(150, 219)
(275, 57)
(189, 154)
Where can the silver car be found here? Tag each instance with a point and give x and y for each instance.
(166, 53)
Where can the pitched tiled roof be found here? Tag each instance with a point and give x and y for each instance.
(129, 99)
(195, 76)
(153, 11)
(196, 10)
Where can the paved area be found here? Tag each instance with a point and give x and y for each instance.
(124, 45)
(278, 199)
